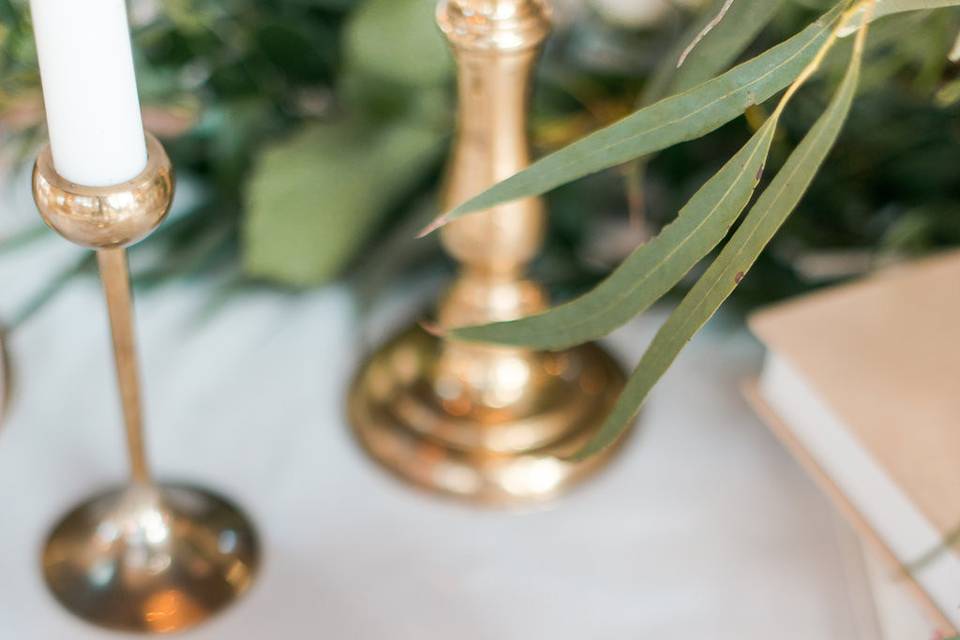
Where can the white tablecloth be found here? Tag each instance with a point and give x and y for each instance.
(702, 528)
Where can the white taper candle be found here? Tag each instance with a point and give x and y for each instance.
(89, 90)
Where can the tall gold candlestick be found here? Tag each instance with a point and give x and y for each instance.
(146, 557)
(482, 422)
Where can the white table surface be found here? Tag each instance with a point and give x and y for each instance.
(702, 528)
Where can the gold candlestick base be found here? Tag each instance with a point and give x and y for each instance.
(150, 558)
(497, 456)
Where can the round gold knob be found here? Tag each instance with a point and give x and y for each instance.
(105, 217)
(495, 26)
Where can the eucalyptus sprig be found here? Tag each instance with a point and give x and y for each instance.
(657, 266)
(681, 117)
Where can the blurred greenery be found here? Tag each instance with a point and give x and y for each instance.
(312, 197)
(314, 129)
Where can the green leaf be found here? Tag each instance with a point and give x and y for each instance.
(770, 211)
(685, 116)
(398, 40)
(718, 48)
(311, 204)
(889, 7)
(652, 269)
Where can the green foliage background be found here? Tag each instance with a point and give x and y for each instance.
(316, 129)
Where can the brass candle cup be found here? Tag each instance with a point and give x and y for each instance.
(105, 217)
(485, 423)
(145, 557)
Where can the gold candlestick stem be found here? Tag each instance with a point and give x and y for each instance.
(116, 286)
(148, 557)
(482, 422)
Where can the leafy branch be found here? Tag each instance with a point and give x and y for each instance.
(736, 258)
(657, 266)
(681, 117)
(678, 118)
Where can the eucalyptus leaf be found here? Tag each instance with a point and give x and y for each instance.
(316, 197)
(724, 274)
(652, 269)
(884, 8)
(713, 53)
(718, 48)
(681, 117)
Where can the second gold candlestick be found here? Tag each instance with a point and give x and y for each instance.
(483, 422)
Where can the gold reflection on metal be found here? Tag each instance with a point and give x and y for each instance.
(476, 421)
(147, 557)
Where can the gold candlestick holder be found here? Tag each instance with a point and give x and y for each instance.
(483, 422)
(145, 557)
